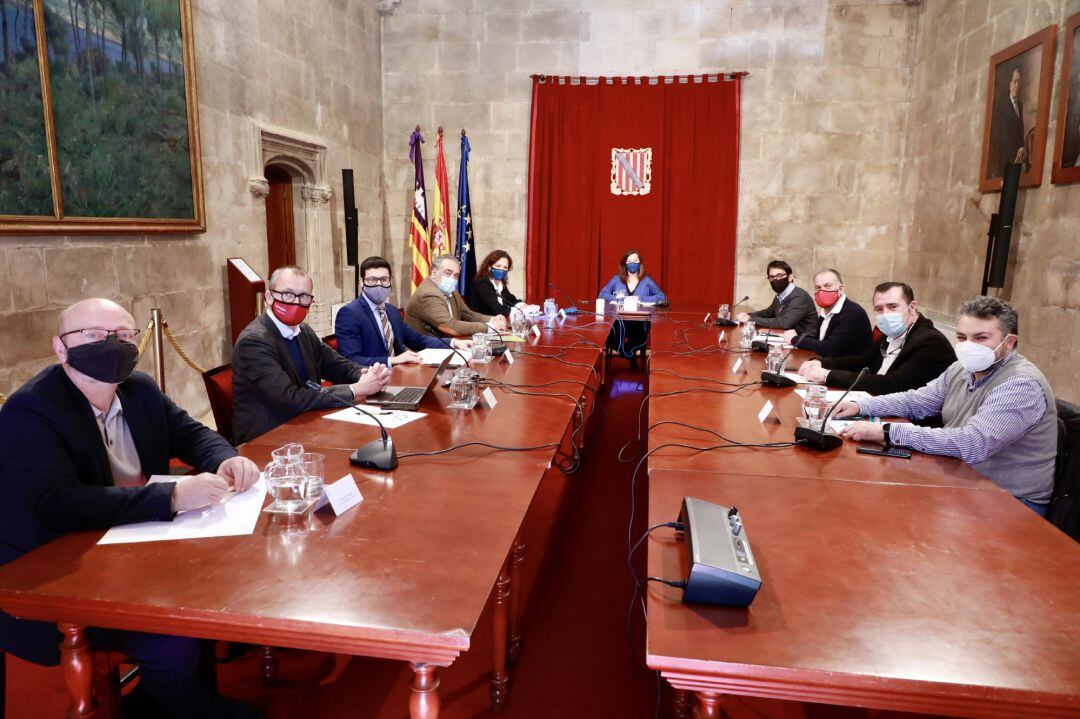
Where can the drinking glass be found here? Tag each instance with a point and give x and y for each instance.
(550, 308)
(776, 361)
(747, 336)
(313, 469)
(724, 312)
(481, 350)
(517, 324)
(815, 405)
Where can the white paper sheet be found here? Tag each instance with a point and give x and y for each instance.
(796, 377)
(236, 516)
(775, 338)
(834, 394)
(391, 418)
(434, 357)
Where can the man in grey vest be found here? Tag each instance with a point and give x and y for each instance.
(997, 408)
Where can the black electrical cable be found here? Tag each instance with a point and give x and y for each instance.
(406, 455)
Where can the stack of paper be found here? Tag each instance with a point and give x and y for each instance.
(433, 357)
(389, 418)
(236, 516)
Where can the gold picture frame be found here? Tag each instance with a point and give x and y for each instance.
(90, 46)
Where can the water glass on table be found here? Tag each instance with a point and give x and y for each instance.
(749, 330)
(517, 323)
(815, 405)
(288, 486)
(550, 308)
(724, 312)
(776, 361)
(481, 350)
(464, 388)
(313, 469)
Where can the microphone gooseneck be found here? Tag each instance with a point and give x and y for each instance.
(572, 307)
(730, 322)
(377, 454)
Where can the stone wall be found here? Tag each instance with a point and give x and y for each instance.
(824, 111)
(943, 256)
(270, 62)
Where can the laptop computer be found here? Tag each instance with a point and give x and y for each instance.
(406, 398)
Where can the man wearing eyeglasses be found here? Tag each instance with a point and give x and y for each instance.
(78, 443)
(791, 308)
(278, 353)
(370, 329)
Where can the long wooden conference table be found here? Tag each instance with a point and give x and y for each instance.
(905, 584)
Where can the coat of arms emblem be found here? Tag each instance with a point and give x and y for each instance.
(631, 171)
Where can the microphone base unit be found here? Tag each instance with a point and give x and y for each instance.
(571, 310)
(377, 454)
(759, 346)
(777, 380)
(724, 323)
(820, 441)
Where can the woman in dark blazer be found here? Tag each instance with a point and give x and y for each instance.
(491, 289)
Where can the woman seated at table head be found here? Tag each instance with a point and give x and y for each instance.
(490, 293)
(632, 280)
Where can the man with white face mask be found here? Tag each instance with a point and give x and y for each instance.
(997, 408)
(909, 353)
(437, 309)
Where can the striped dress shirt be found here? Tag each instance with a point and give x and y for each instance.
(1008, 412)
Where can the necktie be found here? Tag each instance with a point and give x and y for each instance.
(298, 360)
(388, 335)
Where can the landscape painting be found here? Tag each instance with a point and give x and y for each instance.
(117, 117)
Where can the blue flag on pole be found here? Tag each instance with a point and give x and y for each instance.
(466, 251)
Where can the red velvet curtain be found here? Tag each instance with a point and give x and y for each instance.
(684, 227)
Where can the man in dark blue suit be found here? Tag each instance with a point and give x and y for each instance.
(370, 330)
(77, 444)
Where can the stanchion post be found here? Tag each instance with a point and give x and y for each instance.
(159, 349)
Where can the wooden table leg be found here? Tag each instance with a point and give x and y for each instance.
(517, 558)
(424, 696)
(77, 662)
(499, 677)
(681, 701)
(708, 706)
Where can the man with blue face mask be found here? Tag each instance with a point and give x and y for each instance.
(997, 408)
(437, 309)
(909, 353)
(370, 329)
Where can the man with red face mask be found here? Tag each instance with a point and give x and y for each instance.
(843, 328)
(278, 353)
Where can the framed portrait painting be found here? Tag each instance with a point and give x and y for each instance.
(1067, 141)
(100, 118)
(1018, 110)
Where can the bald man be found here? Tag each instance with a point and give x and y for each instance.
(77, 444)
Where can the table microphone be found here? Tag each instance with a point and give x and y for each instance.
(730, 322)
(572, 309)
(376, 454)
(821, 439)
(761, 345)
(779, 380)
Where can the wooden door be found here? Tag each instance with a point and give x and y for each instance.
(280, 234)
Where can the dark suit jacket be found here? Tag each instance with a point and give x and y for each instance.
(1006, 136)
(360, 336)
(848, 333)
(267, 391)
(484, 299)
(56, 475)
(926, 353)
(797, 313)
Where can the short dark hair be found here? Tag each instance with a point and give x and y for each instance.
(990, 308)
(374, 263)
(909, 294)
(778, 265)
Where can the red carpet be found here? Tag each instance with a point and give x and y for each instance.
(575, 661)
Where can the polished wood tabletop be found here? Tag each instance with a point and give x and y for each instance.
(404, 575)
(892, 596)
(676, 406)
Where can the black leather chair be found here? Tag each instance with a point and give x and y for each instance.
(1065, 505)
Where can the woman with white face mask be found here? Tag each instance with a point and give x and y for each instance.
(997, 408)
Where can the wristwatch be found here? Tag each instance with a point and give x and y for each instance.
(885, 430)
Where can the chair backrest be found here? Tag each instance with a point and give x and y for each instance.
(219, 388)
(1065, 505)
(332, 341)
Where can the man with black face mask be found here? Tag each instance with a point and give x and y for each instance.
(77, 444)
(370, 329)
(791, 309)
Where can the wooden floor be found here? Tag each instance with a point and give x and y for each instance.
(575, 660)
